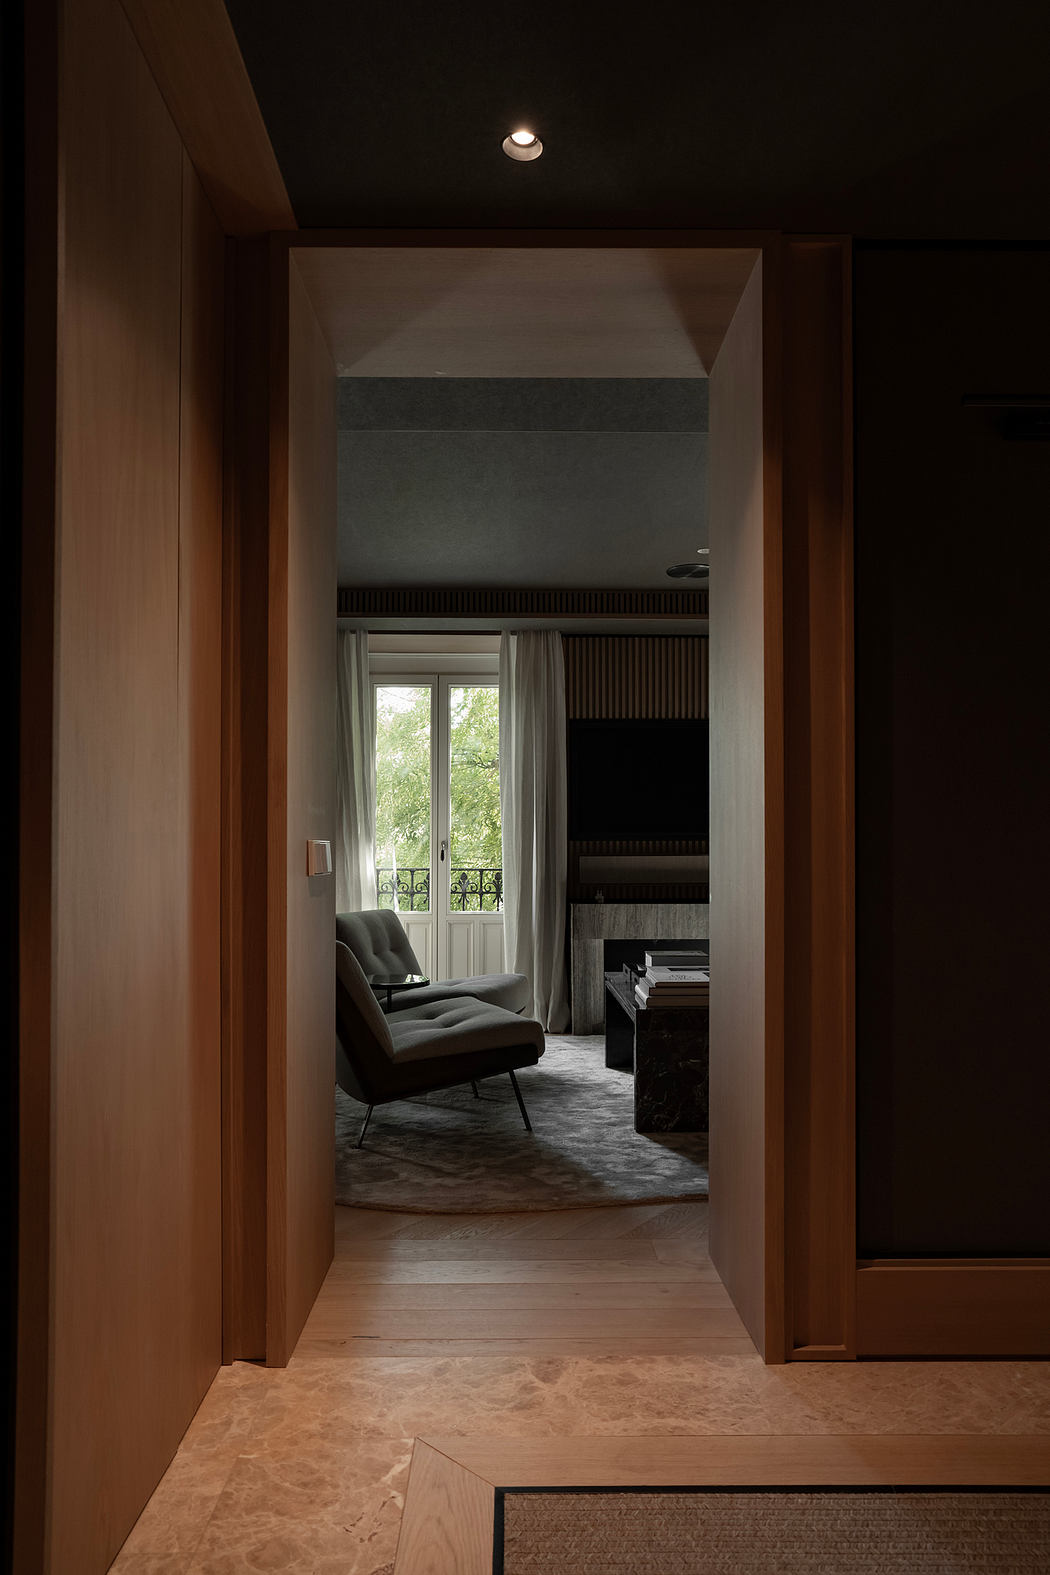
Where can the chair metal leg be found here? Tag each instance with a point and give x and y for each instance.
(521, 1102)
(474, 1086)
(364, 1129)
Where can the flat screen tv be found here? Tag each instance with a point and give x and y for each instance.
(635, 781)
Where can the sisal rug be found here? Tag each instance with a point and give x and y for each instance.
(753, 1531)
(449, 1153)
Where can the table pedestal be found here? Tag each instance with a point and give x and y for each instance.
(668, 1049)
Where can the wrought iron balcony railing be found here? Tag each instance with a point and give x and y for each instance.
(473, 888)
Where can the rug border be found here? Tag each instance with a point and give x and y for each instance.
(450, 1502)
(546, 1208)
(672, 1195)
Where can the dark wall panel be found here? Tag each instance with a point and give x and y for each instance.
(953, 755)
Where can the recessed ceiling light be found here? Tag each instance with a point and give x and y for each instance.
(522, 145)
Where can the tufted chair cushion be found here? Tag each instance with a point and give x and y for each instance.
(380, 1058)
(377, 939)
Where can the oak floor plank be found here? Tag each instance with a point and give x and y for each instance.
(495, 1247)
(733, 1459)
(543, 1270)
(609, 1224)
(574, 1323)
(371, 1224)
(679, 1249)
(728, 1345)
(480, 1295)
(675, 1221)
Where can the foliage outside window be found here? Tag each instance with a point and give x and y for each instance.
(403, 797)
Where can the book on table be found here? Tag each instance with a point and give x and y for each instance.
(665, 986)
(662, 975)
(649, 999)
(670, 958)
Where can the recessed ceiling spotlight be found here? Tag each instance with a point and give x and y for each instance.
(691, 571)
(522, 145)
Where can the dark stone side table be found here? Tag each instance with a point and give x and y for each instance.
(668, 1050)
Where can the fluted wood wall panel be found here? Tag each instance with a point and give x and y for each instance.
(660, 676)
(635, 676)
(363, 602)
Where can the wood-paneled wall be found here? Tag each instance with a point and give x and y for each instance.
(301, 1167)
(279, 792)
(614, 675)
(132, 950)
(134, 794)
(820, 1238)
(245, 800)
(658, 676)
(746, 795)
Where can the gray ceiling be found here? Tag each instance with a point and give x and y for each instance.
(548, 482)
(905, 119)
(921, 118)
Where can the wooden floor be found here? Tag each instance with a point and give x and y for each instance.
(624, 1281)
(573, 1346)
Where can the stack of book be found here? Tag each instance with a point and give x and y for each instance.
(673, 979)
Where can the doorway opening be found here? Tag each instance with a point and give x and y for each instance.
(463, 303)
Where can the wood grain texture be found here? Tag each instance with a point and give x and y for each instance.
(741, 705)
(820, 1160)
(590, 1283)
(448, 1520)
(200, 729)
(964, 1307)
(194, 55)
(301, 1165)
(621, 676)
(245, 660)
(644, 1461)
(135, 1214)
(776, 894)
(40, 467)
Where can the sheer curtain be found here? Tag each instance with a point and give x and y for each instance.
(355, 754)
(535, 821)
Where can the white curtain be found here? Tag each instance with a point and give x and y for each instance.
(535, 821)
(355, 875)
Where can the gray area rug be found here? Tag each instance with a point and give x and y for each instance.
(808, 1532)
(449, 1153)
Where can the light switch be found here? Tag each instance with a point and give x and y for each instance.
(318, 858)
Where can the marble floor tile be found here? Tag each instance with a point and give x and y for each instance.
(304, 1469)
(151, 1563)
(331, 1510)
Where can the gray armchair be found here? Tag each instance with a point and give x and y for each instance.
(384, 1057)
(377, 939)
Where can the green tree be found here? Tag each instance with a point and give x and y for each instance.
(402, 779)
(403, 782)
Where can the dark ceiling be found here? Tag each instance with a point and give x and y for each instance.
(906, 118)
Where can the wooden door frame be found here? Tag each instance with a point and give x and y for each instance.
(810, 1248)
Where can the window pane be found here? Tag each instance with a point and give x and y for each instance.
(476, 863)
(403, 796)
